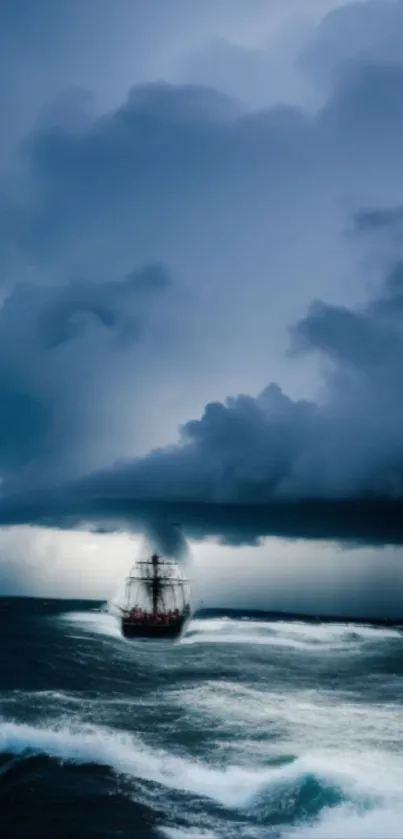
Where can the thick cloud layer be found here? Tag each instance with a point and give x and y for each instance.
(262, 451)
(152, 257)
(272, 465)
(61, 351)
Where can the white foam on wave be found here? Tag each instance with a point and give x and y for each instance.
(377, 823)
(100, 623)
(232, 786)
(297, 635)
(19, 696)
(264, 720)
(191, 833)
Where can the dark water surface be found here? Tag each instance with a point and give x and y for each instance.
(244, 729)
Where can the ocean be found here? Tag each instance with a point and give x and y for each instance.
(244, 730)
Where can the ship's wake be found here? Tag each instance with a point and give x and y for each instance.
(297, 635)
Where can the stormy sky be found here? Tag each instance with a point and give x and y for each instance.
(201, 269)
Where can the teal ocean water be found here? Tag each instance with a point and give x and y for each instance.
(244, 730)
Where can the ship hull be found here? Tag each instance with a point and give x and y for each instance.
(147, 632)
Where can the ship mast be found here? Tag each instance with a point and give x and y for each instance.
(156, 583)
(156, 578)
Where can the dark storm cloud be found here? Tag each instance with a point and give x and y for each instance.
(100, 46)
(254, 450)
(126, 175)
(120, 187)
(104, 194)
(117, 306)
(271, 465)
(353, 33)
(58, 350)
(354, 522)
(368, 221)
(188, 177)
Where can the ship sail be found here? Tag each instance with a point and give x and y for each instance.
(157, 599)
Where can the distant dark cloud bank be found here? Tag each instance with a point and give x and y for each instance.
(153, 252)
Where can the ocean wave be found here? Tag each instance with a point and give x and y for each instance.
(231, 786)
(295, 717)
(97, 622)
(192, 833)
(384, 822)
(296, 635)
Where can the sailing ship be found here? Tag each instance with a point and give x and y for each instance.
(157, 600)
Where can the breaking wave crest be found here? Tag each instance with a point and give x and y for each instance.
(293, 732)
(231, 786)
(298, 635)
(325, 798)
(127, 755)
(382, 822)
(97, 622)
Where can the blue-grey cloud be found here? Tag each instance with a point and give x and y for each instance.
(253, 450)
(249, 211)
(61, 349)
(351, 34)
(369, 220)
(251, 467)
(117, 306)
(107, 48)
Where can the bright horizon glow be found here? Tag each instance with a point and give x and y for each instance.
(279, 574)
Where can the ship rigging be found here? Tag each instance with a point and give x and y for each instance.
(156, 601)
